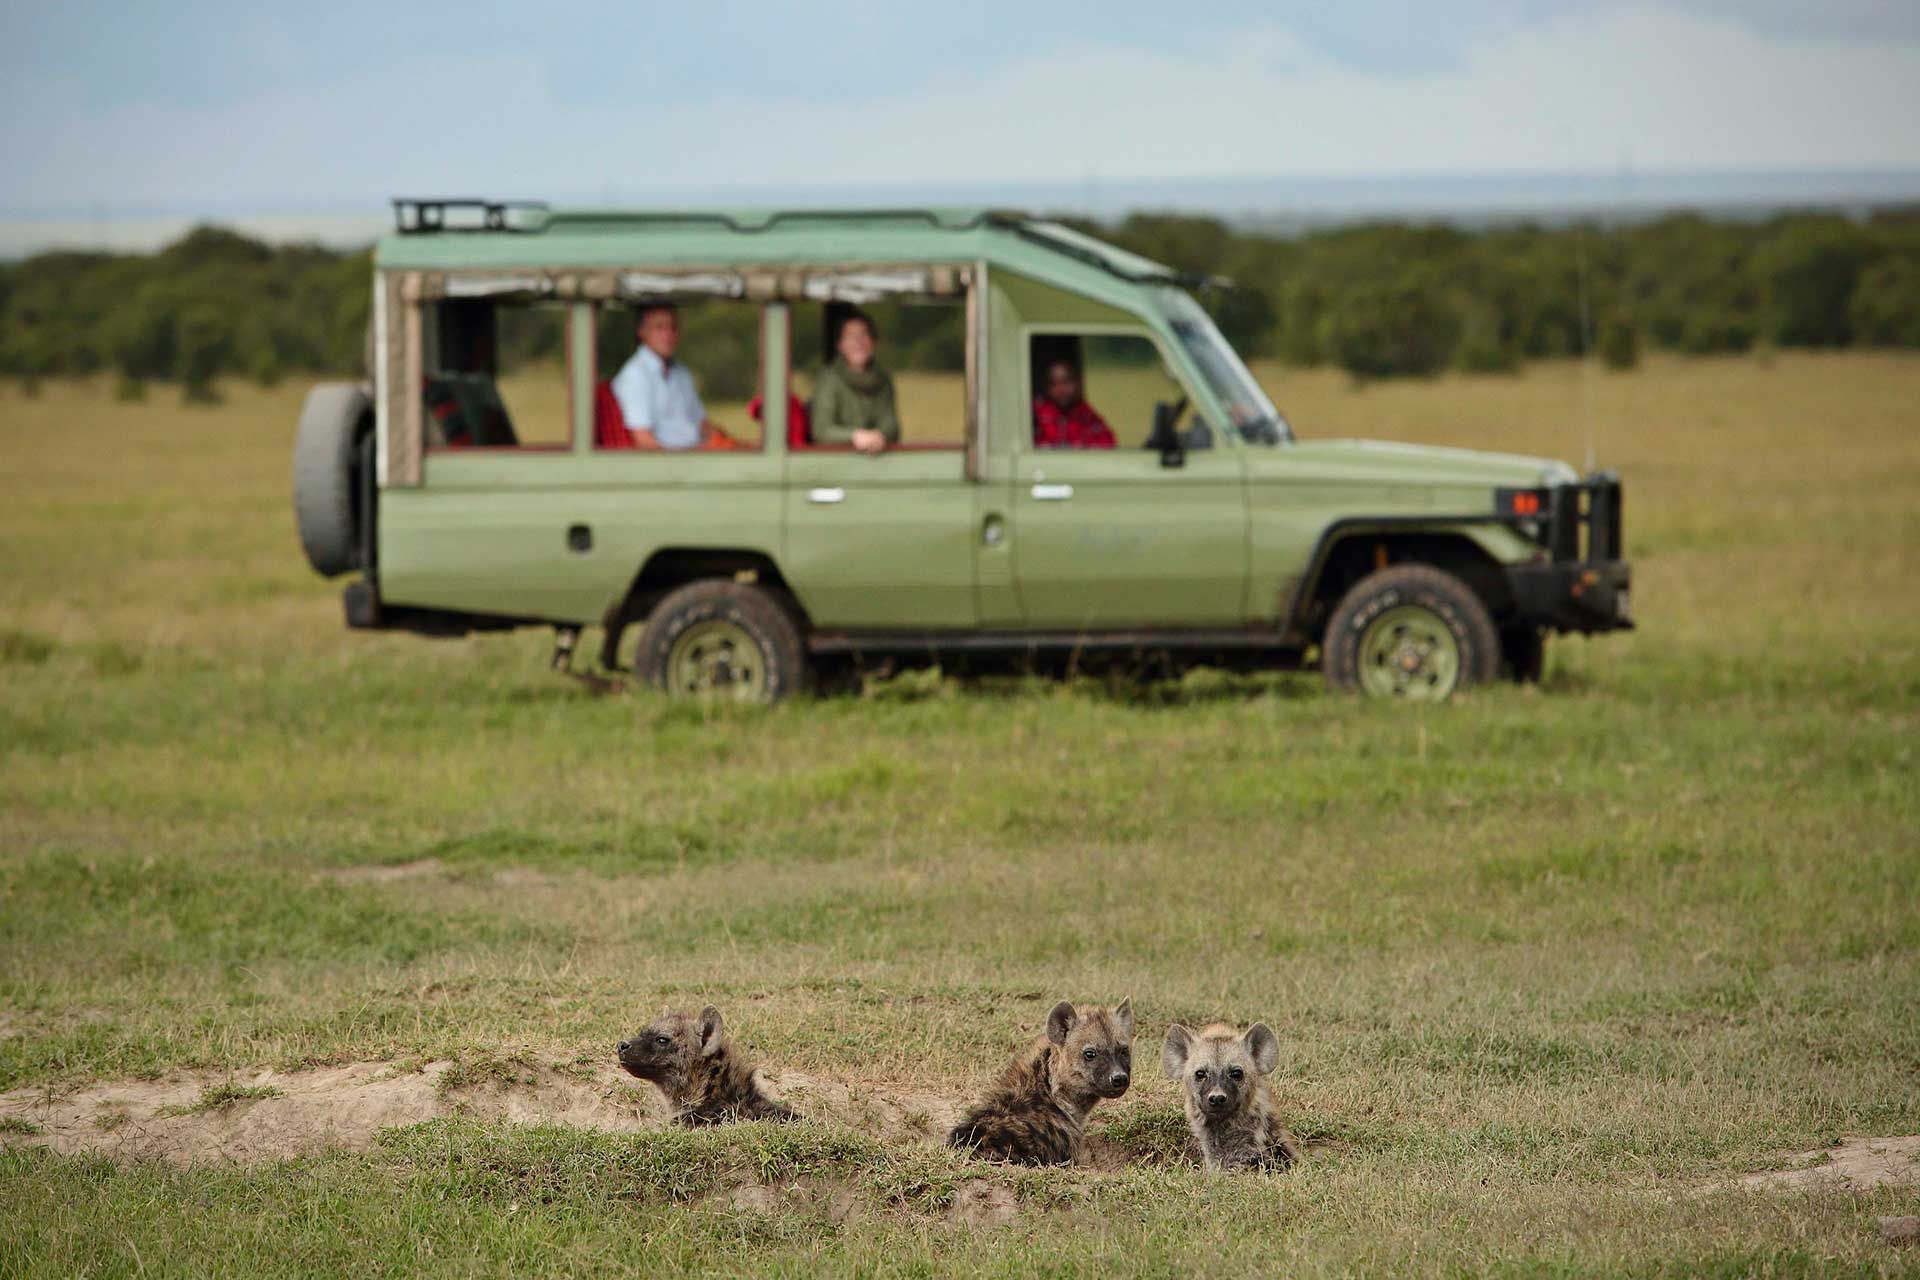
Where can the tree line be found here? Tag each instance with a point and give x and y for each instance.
(1379, 300)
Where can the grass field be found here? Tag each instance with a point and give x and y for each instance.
(1551, 968)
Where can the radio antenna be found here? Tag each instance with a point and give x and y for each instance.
(1586, 338)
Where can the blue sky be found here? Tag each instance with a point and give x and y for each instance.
(223, 106)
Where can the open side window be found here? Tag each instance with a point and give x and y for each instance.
(1106, 387)
(920, 357)
(493, 375)
(475, 359)
(719, 351)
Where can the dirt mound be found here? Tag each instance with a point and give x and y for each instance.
(984, 1204)
(257, 1115)
(203, 1117)
(262, 1115)
(882, 1110)
(1860, 1164)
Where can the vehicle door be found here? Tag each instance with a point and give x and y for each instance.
(885, 542)
(1149, 533)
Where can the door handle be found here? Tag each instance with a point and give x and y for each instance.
(826, 497)
(1053, 492)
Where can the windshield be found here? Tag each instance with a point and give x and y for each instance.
(1253, 415)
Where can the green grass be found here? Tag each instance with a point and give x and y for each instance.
(1544, 963)
(225, 1094)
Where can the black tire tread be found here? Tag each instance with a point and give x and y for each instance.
(758, 611)
(1436, 589)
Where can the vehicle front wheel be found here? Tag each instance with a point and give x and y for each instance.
(723, 640)
(1411, 632)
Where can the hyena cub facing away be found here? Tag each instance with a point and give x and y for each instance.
(707, 1080)
(1036, 1111)
(1230, 1107)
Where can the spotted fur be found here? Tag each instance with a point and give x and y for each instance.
(1230, 1106)
(707, 1080)
(1036, 1110)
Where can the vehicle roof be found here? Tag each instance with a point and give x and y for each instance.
(536, 236)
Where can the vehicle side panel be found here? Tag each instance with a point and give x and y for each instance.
(881, 542)
(498, 535)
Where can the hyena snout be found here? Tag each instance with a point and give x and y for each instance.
(1217, 1100)
(1118, 1082)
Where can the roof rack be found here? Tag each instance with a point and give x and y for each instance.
(755, 222)
(414, 215)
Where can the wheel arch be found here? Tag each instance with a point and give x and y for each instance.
(1475, 550)
(669, 568)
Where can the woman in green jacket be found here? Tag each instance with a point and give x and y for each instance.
(853, 399)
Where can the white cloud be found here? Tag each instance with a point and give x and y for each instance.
(1669, 90)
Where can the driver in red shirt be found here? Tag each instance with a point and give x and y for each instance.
(1061, 419)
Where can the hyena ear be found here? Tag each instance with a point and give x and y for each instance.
(1060, 1020)
(1173, 1054)
(1123, 1017)
(1264, 1046)
(711, 1029)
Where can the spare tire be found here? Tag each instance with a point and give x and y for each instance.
(331, 424)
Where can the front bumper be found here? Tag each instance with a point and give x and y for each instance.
(1573, 597)
(1581, 582)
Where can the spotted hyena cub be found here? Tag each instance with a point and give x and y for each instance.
(706, 1079)
(1036, 1111)
(1230, 1106)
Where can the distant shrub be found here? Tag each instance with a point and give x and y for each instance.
(266, 370)
(1885, 308)
(201, 340)
(1381, 300)
(24, 648)
(1383, 331)
(130, 390)
(1483, 345)
(1810, 270)
(1712, 332)
(1619, 343)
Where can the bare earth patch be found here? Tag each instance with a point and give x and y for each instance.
(888, 1112)
(387, 873)
(314, 1110)
(1860, 1164)
(347, 1106)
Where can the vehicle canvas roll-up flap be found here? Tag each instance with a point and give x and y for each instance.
(873, 284)
(493, 286)
(864, 282)
(655, 284)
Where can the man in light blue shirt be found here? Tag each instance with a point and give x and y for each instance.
(655, 391)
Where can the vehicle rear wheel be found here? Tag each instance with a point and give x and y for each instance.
(1410, 632)
(723, 640)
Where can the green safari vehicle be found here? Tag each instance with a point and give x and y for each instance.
(484, 477)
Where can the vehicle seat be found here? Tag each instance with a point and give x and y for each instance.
(465, 410)
(609, 422)
(799, 427)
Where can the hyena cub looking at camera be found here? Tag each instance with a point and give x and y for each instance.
(706, 1079)
(1230, 1106)
(1036, 1111)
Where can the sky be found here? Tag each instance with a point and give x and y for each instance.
(210, 108)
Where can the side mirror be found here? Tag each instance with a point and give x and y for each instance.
(1166, 433)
